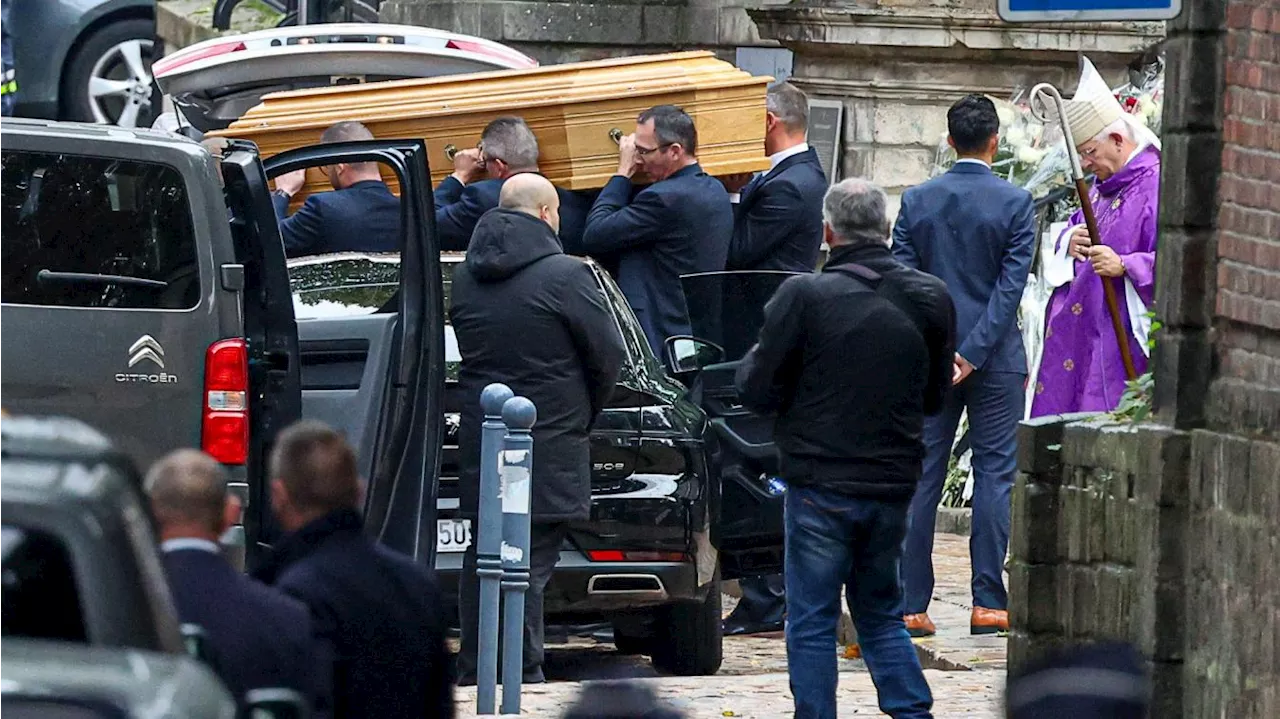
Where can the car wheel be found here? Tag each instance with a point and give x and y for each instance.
(630, 644)
(688, 640)
(108, 81)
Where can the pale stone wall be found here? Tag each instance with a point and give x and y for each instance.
(898, 65)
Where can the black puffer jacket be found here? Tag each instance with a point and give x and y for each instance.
(529, 316)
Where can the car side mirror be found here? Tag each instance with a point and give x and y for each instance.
(689, 354)
(275, 703)
(196, 642)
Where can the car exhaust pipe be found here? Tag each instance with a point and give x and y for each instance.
(647, 585)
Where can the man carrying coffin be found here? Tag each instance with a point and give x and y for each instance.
(1081, 369)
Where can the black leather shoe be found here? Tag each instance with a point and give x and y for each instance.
(530, 677)
(733, 628)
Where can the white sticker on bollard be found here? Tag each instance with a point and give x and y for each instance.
(515, 482)
(509, 553)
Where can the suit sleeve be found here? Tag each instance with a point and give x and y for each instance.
(940, 337)
(455, 221)
(614, 224)
(595, 334)
(768, 373)
(769, 221)
(1002, 308)
(903, 249)
(302, 233)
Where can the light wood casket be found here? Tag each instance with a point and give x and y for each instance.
(575, 110)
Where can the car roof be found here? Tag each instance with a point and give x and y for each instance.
(128, 678)
(44, 458)
(62, 128)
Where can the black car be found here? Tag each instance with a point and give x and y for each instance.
(650, 559)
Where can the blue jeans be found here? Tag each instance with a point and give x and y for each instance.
(832, 541)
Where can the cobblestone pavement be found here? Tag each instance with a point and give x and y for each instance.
(965, 672)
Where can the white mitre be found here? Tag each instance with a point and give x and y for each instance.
(1093, 107)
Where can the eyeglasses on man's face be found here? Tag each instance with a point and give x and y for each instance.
(646, 151)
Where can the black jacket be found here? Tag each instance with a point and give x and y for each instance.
(275, 649)
(459, 208)
(379, 615)
(852, 371)
(529, 316)
(777, 223)
(678, 226)
(364, 217)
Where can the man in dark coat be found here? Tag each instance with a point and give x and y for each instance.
(777, 225)
(257, 638)
(507, 148)
(681, 224)
(360, 215)
(851, 359)
(378, 612)
(535, 319)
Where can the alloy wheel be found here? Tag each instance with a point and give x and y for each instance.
(120, 87)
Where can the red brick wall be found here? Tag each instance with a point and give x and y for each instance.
(1246, 393)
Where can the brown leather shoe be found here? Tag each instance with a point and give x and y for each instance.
(988, 621)
(920, 625)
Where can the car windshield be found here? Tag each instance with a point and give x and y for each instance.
(727, 308)
(350, 284)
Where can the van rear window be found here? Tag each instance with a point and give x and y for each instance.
(80, 231)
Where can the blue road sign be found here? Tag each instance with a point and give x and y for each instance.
(1087, 10)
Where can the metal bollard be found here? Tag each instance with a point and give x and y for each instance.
(516, 469)
(488, 539)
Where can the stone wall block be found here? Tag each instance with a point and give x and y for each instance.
(1187, 260)
(1040, 448)
(1121, 526)
(1197, 61)
(1184, 362)
(1264, 485)
(1035, 524)
(1199, 16)
(596, 23)
(1165, 466)
(909, 124)
(1190, 168)
(1166, 689)
(1096, 516)
(898, 167)
(859, 121)
(1084, 602)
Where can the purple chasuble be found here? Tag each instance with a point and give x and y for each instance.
(1081, 369)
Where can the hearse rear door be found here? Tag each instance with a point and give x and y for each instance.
(380, 377)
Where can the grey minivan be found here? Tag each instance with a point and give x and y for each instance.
(145, 292)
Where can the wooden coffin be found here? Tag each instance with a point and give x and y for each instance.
(575, 110)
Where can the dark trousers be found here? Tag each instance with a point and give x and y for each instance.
(834, 541)
(545, 541)
(995, 402)
(764, 601)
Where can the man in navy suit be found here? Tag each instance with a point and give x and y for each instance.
(507, 147)
(975, 232)
(679, 225)
(360, 215)
(376, 610)
(777, 224)
(257, 637)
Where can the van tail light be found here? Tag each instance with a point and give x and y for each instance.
(168, 64)
(225, 428)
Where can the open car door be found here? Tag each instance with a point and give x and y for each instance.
(379, 377)
(726, 310)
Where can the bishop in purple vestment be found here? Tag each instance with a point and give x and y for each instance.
(1081, 369)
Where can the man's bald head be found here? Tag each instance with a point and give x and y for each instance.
(533, 195)
(188, 491)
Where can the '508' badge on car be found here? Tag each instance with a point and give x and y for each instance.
(146, 350)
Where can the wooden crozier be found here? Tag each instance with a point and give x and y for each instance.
(577, 111)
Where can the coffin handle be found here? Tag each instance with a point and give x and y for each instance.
(450, 151)
(616, 135)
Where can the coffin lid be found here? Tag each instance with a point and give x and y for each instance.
(571, 109)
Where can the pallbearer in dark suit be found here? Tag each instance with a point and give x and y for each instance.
(257, 636)
(975, 232)
(777, 225)
(360, 215)
(507, 147)
(681, 224)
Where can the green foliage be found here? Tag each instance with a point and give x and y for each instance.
(953, 486)
(1135, 403)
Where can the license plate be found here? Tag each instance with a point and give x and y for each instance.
(453, 535)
